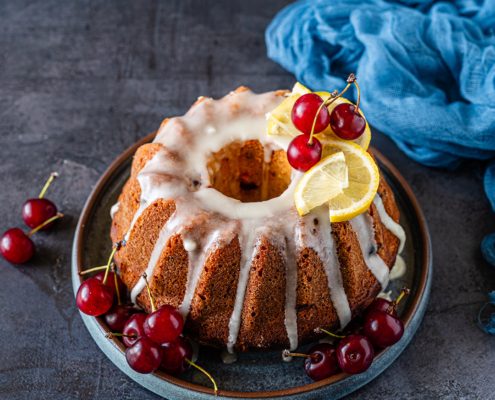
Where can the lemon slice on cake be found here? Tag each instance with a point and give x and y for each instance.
(323, 181)
(279, 120)
(363, 177)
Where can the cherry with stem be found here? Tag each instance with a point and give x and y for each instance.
(17, 247)
(38, 210)
(95, 297)
(163, 325)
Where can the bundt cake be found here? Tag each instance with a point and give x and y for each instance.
(208, 214)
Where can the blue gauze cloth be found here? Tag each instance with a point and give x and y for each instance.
(426, 69)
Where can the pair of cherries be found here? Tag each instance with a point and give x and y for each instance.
(355, 353)
(38, 214)
(310, 116)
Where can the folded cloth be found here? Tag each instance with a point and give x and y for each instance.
(427, 70)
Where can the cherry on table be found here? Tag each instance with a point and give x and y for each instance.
(118, 316)
(16, 247)
(346, 122)
(144, 356)
(133, 329)
(175, 354)
(383, 329)
(304, 114)
(301, 154)
(94, 298)
(355, 354)
(38, 210)
(164, 325)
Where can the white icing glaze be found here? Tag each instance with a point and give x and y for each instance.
(362, 225)
(228, 358)
(389, 223)
(179, 171)
(249, 248)
(114, 209)
(290, 319)
(399, 268)
(387, 295)
(319, 238)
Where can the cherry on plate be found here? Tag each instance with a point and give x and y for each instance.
(164, 325)
(94, 298)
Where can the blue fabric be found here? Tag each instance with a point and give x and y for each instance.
(426, 69)
(486, 319)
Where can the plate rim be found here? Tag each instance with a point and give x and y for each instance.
(77, 254)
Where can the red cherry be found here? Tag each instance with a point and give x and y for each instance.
(304, 113)
(144, 356)
(346, 123)
(302, 155)
(94, 298)
(175, 355)
(383, 329)
(355, 354)
(111, 282)
(133, 329)
(380, 304)
(322, 362)
(16, 247)
(37, 211)
(164, 325)
(118, 315)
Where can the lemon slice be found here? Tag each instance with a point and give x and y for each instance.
(279, 120)
(363, 140)
(321, 183)
(363, 180)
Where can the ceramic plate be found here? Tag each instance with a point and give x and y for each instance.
(254, 375)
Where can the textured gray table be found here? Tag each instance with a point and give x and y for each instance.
(80, 82)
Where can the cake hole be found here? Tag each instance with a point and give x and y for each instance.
(239, 171)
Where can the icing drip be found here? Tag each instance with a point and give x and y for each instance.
(291, 294)
(228, 358)
(399, 268)
(169, 229)
(321, 241)
(247, 242)
(363, 227)
(114, 209)
(216, 239)
(389, 223)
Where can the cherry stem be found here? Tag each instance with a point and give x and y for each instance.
(49, 181)
(356, 111)
(111, 335)
(152, 300)
(48, 221)
(403, 293)
(109, 262)
(287, 353)
(94, 269)
(320, 330)
(117, 290)
(351, 79)
(204, 371)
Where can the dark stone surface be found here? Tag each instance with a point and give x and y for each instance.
(80, 82)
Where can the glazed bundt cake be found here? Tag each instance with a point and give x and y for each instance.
(208, 214)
